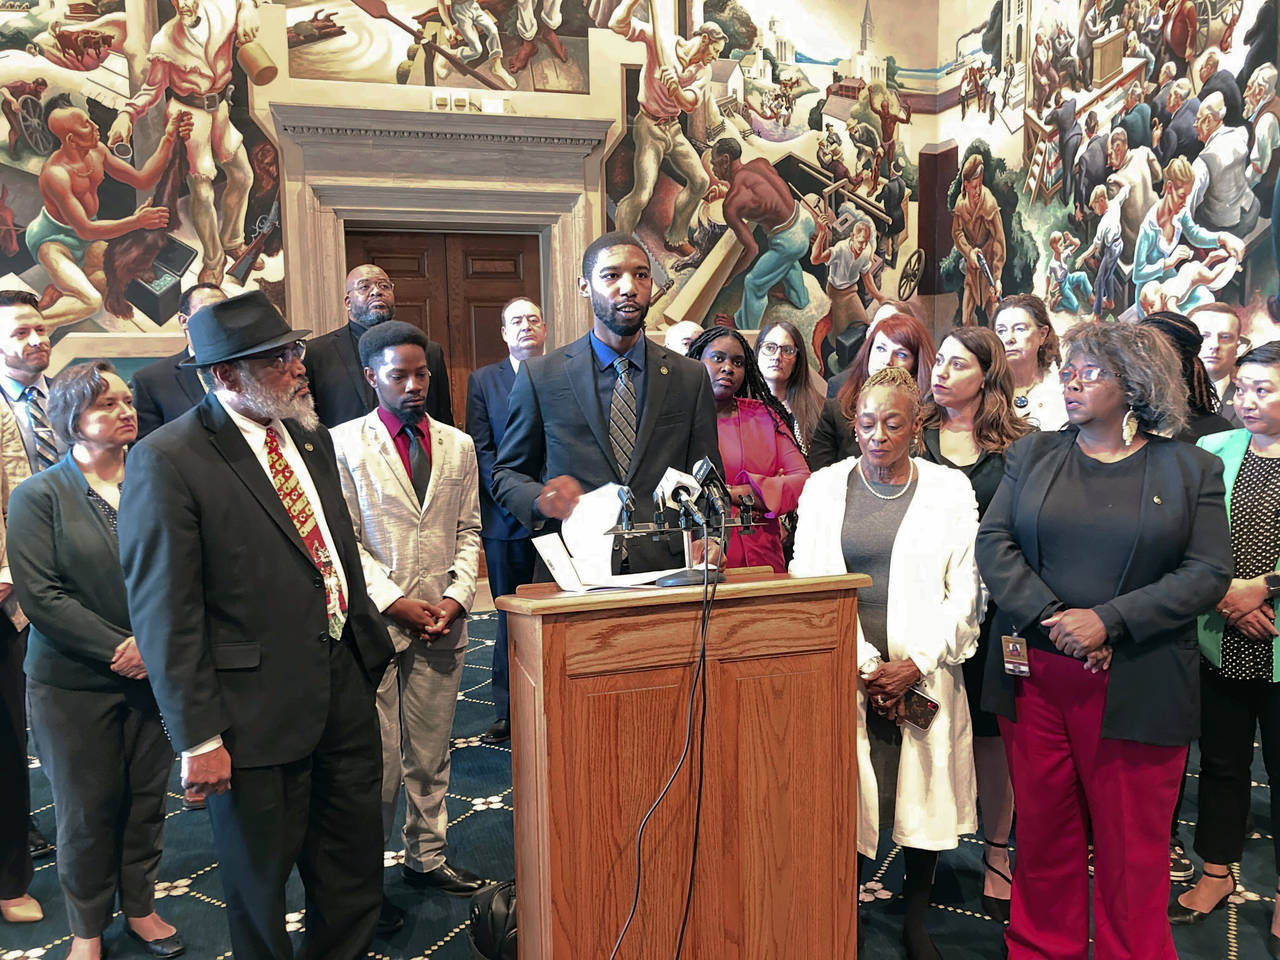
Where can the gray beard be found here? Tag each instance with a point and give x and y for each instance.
(262, 404)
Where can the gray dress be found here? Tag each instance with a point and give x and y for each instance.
(870, 527)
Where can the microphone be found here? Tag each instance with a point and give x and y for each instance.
(659, 514)
(628, 507)
(713, 486)
(681, 489)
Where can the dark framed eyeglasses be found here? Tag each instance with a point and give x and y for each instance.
(280, 358)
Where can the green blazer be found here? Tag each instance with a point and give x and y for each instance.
(1229, 447)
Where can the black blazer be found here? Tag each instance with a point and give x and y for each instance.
(66, 573)
(341, 391)
(1179, 567)
(556, 427)
(164, 391)
(833, 438)
(227, 606)
(1179, 135)
(488, 390)
(1224, 82)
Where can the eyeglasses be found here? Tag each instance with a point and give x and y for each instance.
(770, 348)
(1084, 374)
(718, 357)
(280, 358)
(365, 287)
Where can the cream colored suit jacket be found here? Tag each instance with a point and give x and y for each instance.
(425, 552)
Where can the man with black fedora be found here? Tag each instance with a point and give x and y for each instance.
(250, 610)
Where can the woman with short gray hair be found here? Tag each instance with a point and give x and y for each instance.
(94, 720)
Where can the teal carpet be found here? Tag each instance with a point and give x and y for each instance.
(480, 838)
(189, 892)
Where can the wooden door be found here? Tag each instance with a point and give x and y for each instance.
(453, 286)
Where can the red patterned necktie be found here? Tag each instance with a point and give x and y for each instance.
(299, 509)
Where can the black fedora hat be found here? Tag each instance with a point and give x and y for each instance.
(237, 327)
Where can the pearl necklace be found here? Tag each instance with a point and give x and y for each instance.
(911, 475)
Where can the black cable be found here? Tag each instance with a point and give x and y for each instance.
(684, 754)
(707, 601)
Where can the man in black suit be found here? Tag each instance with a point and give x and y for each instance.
(262, 645)
(1160, 100)
(333, 360)
(1216, 79)
(1091, 169)
(1063, 117)
(508, 548)
(166, 389)
(1178, 137)
(612, 407)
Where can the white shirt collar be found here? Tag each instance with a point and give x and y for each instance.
(515, 364)
(255, 433)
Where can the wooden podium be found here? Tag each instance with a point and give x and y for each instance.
(599, 698)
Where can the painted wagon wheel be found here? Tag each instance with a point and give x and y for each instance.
(34, 132)
(1204, 17)
(912, 271)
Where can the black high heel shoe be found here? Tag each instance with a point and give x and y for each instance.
(995, 907)
(1184, 916)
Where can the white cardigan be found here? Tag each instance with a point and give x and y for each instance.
(934, 608)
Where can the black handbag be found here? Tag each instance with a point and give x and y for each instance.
(492, 930)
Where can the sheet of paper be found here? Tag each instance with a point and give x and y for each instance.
(584, 532)
(563, 569)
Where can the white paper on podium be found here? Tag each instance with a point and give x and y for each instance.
(569, 578)
(585, 532)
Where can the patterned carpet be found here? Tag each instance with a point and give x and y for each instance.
(190, 891)
(480, 838)
(963, 932)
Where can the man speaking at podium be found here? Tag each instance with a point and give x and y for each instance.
(612, 407)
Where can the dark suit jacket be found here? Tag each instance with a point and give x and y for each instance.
(1179, 567)
(66, 572)
(833, 438)
(227, 606)
(1093, 171)
(1159, 108)
(1178, 139)
(164, 391)
(1069, 133)
(1136, 125)
(487, 392)
(557, 427)
(341, 391)
(1224, 82)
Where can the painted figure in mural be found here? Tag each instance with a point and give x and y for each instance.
(1134, 47)
(10, 94)
(758, 195)
(1008, 81)
(1222, 198)
(1064, 288)
(66, 236)
(1178, 138)
(967, 90)
(531, 31)
(191, 57)
(978, 233)
(1136, 170)
(1161, 248)
(849, 262)
(883, 107)
(1160, 98)
(1044, 78)
(1089, 167)
(1261, 39)
(1092, 25)
(1195, 282)
(1064, 58)
(1180, 24)
(675, 79)
(1216, 79)
(1135, 118)
(989, 92)
(465, 21)
(831, 159)
(1107, 245)
(1063, 118)
(893, 199)
(1263, 107)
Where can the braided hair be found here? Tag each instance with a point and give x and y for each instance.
(1183, 334)
(753, 386)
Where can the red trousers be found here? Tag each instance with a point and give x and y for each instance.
(1066, 779)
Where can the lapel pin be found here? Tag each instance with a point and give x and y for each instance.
(308, 447)
(1157, 499)
(662, 370)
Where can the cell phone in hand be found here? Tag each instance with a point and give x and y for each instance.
(919, 709)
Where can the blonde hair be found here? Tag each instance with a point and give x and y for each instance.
(1180, 172)
(899, 380)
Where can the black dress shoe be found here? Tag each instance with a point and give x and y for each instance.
(500, 732)
(40, 846)
(447, 879)
(390, 919)
(171, 946)
(1183, 916)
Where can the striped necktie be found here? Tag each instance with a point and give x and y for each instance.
(41, 429)
(622, 416)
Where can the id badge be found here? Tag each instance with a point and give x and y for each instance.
(1015, 656)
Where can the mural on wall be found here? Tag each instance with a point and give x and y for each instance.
(530, 45)
(132, 169)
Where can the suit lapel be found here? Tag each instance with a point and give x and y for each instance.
(657, 373)
(1033, 494)
(351, 362)
(380, 440)
(438, 454)
(579, 360)
(188, 379)
(230, 443)
(1152, 484)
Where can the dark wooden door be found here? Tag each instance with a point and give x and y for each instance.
(453, 286)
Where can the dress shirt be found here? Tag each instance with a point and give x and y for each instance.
(396, 427)
(1109, 226)
(844, 269)
(515, 364)
(255, 435)
(607, 376)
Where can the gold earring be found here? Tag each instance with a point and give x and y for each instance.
(1129, 427)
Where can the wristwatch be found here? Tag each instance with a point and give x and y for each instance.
(1272, 580)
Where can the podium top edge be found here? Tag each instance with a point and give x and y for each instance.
(546, 598)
